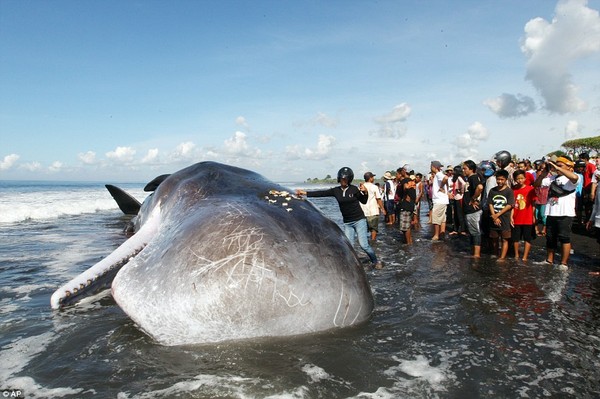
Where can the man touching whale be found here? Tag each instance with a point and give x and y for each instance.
(349, 198)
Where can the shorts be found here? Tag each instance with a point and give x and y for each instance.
(558, 229)
(540, 213)
(438, 214)
(373, 223)
(505, 234)
(390, 207)
(522, 231)
(474, 227)
(405, 219)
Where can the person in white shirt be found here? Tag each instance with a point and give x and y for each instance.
(561, 180)
(439, 196)
(373, 206)
(594, 221)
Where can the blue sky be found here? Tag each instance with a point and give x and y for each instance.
(124, 91)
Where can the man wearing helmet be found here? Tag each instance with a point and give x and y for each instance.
(504, 161)
(349, 198)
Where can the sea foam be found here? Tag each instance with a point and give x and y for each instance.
(46, 203)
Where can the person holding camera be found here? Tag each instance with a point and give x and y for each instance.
(561, 181)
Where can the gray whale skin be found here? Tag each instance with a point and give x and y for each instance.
(221, 253)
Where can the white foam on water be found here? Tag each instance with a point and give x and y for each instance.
(421, 368)
(15, 356)
(380, 393)
(33, 390)
(315, 373)
(217, 386)
(7, 306)
(48, 203)
(36, 207)
(424, 379)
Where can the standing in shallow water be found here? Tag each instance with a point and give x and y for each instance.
(561, 181)
(500, 202)
(349, 198)
(523, 218)
(472, 205)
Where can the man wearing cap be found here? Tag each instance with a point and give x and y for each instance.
(373, 206)
(389, 192)
(561, 180)
(439, 196)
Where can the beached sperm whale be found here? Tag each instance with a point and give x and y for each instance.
(221, 253)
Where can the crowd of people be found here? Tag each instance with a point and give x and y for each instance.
(498, 204)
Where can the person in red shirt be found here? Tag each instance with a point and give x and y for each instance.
(587, 195)
(529, 177)
(523, 220)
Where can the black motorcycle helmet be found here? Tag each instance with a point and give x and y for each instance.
(345, 173)
(580, 163)
(503, 158)
(487, 168)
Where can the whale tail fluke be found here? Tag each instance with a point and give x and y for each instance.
(127, 203)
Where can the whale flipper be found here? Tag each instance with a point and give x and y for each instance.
(221, 253)
(127, 203)
(153, 185)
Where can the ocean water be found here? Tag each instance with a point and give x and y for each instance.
(444, 326)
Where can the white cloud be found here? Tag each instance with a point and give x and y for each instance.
(8, 161)
(241, 121)
(184, 152)
(572, 130)
(467, 144)
(121, 154)
(238, 145)
(321, 151)
(390, 124)
(32, 166)
(510, 105)
(551, 48)
(55, 167)
(323, 119)
(87, 158)
(151, 156)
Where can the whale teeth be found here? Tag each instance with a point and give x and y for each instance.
(288, 209)
(284, 204)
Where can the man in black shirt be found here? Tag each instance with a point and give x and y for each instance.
(349, 198)
(471, 205)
